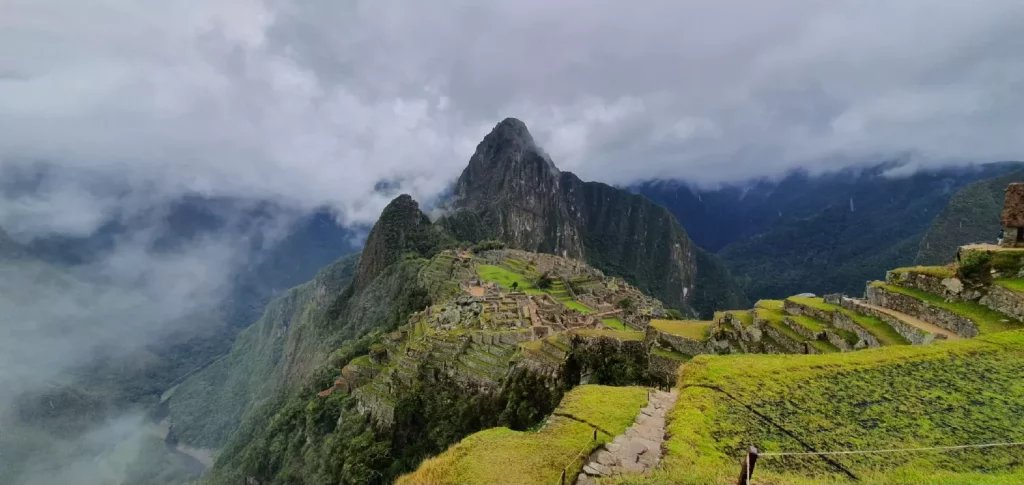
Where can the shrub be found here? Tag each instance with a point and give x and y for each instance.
(975, 265)
(544, 281)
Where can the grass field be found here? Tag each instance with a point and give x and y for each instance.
(987, 320)
(947, 393)
(501, 455)
(691, 329)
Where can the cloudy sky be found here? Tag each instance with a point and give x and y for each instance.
(314, 102)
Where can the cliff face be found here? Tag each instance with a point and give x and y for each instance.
(511, 191)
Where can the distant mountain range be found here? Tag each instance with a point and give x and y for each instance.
(826, 233)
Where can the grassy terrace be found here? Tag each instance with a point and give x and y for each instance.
(501, 455)
(948, 393)
(671, 354)
(625, 335)
(771, 313)
(746, 317)
(690, 329)
(882, 331)
(614, 323)
(518, 272)
(936, 271)
(987, 320)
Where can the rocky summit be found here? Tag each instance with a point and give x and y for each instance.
(512, 192)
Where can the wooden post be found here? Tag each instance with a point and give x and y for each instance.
(561, 479)
(747, 466)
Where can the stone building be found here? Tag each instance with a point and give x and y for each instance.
(1013, 216)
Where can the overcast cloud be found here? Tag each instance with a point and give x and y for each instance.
(314, 102)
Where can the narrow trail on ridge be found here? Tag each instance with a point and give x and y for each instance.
(636, 451)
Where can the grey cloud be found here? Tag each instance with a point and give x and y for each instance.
(315, 102)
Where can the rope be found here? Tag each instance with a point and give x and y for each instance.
(892, 450)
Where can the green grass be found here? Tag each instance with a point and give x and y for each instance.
(809, 323)
(671, 354)
(746, 317)
(1011, 284)
(517, 272)
(501, 455)
(987, 319)
(614, 324)
(947, 393)
(936, 271)
(882, 331)
(769, 304)
(691, 329)
(626, 335)
(506, 277)
(575, 305)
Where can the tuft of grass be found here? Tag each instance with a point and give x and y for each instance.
(691, 329)
(882, 331)
(947, 393)
(501, 455)
(987, 319)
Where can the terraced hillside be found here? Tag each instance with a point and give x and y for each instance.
(950, 393)
(940, 367)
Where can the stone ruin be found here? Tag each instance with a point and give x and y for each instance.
(1013, 217)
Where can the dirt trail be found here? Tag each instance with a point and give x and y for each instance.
(636, 451)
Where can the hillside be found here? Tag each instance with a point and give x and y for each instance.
(949, 393)
(825, 233)
(971, 215)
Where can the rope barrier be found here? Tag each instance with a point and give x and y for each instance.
(891, 450)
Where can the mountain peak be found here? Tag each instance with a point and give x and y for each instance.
(402, 228)
(512, 129)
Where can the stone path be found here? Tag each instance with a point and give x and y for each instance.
(636, 451)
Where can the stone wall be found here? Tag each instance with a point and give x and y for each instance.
(1004, 301)
(682, 345)
(838, 320)
(913, 334)
(912, 306)
(926, 283)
